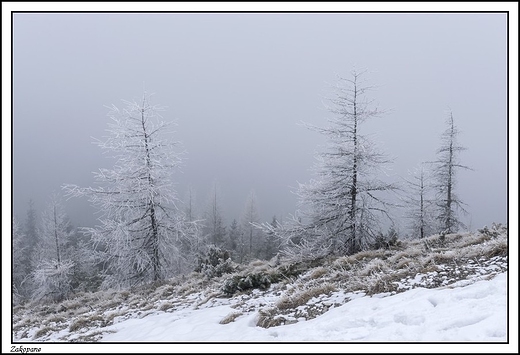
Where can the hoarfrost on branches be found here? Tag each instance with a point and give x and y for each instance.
(420, 203)
(53, 274)
(52, 279)
(342, 208)
(445, 168)
(141, 227)
(214, 228)
(18, 251)
(252, 236)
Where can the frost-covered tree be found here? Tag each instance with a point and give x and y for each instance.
(25, 238)
(214, 228)
(195, 241)
(141, 226)
(89, 261)
(445, 169)
(52, 277)
(271, 242)
(252, 235)
(419, 203)
(55, 232)
(234, 241)
(343, 206)
(18, 268)
(30, 239)
(189, 203)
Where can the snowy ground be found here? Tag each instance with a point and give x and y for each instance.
(436, 292)
(473, 313)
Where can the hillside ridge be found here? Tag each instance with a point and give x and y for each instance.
(278, 293)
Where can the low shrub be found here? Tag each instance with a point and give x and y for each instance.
(237, 283)
(387, 241)
(494, 231)
(214, 263)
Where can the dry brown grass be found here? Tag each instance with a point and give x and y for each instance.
(43, 331)
(78, 324)
(269, 317)
(166, 291)
(380, 286)
(85, 322)
(455, 238)
(342, 263)
(109, 319)
(445, 256)
(475, 239)
(55, 319)
(404, 263)
(302, 297)
(192, 284)
(91, 337)
(386, 282)
(371, 271)
(374, 266)
(166, 306)
(498, 248)
(47, 309)
(23, 323)
(367, 255)
(146, 306)
(74, 303)
(410, 253)
(318, 272)
(230, 317)
(112, 302)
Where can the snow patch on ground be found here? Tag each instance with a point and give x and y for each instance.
(422, 291)
(472, 313)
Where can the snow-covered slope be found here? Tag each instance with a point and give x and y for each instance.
(440, 289)
(473, 313)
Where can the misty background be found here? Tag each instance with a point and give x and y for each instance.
(239, 85)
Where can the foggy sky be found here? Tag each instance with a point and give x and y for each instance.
(238, 85)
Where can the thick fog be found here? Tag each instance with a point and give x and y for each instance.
(240, 84)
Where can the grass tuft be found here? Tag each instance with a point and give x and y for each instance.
(302, 297)
(230, 317)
